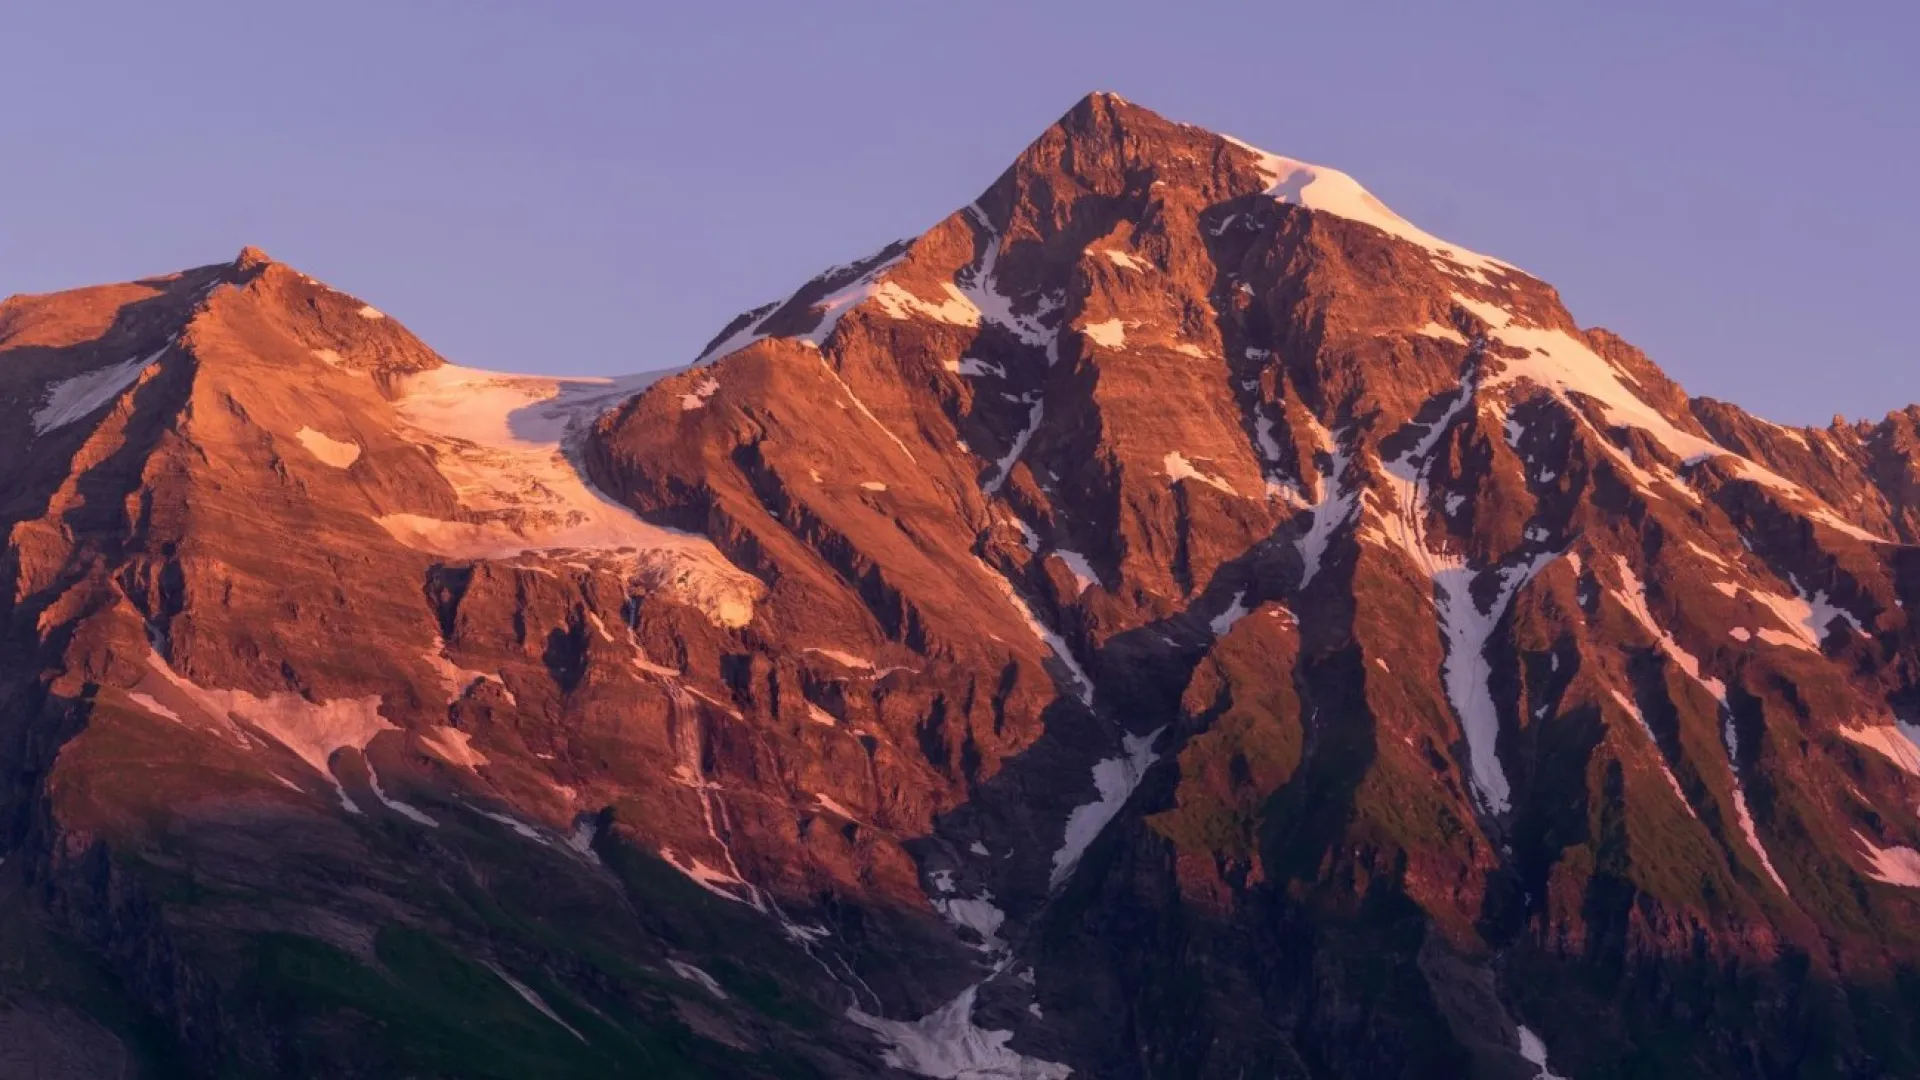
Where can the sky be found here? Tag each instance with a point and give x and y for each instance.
(595, 186)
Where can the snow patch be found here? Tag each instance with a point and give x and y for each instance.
(532, 998)
(978, 915)
(695, 975)
(830, 806)
(1178, 468)
(1236, 611)
(1330, 191)
(954, 309)
(1334, 507)
(368, 311)
(973, 368)
(411, 813)
(1807, 616)
(148, 704)
(1894, 865)
(1899, 744)
(947, 1045)
(1115, 780)
(1469, 629)
(1036, 411)
(453, 746)
(1535, 1053)
(312, 731)
(844, 659)
(519, 828)
(697, 397)
(1633, 598)
(328, 450)
(1632, 709)
(1112, 333)
(77, 397)
(507, 444)
(1083, 576)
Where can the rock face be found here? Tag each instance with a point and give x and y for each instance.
(1174, 618)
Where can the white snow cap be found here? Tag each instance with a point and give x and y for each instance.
(1331, 191)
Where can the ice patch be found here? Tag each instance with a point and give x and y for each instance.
(1565, 367)
(1236, 611)
(1633, 598)
(982, 287)
(1330, 191)
(973, 368)
(1443, 332)
(954, 309)
(844, 659)
(695, 975)
(1076, 679)
(947, 1045)
(1036, 411)
(1111, 333)
(412, 814)
(329, 451)
(532, 998)
(1083, 576)
(453, 746)
(507, 444)
(1535, 1052)
(1115, 780)
(976, 914)
(1898, 743)
(1178, 468)
(1807, 616)
(826, 803)
(1469, 629)
(519, 828)
(697, 398)
(1263, 437)
(1334, 507)
(1894, 865)
(312, 731)
(580, 840)
(147, 703)
(1627, 704)
(77, 397)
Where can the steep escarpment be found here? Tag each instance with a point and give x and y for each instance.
(1172, 618)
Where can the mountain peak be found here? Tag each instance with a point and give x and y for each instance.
(1171, 539)
(251, 258)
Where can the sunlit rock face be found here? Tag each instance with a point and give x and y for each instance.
(1173, 618)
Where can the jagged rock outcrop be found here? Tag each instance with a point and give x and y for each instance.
(1172, 618)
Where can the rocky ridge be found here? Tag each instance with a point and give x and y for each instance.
(1172, 618)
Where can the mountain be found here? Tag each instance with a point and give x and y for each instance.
(1173, 618)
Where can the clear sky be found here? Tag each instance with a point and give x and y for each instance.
(596, 186)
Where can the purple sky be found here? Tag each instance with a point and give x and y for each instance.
(596, 186)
